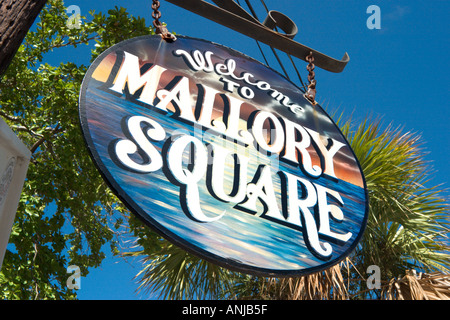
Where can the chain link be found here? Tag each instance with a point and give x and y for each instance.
(311, 93)
(160, 28)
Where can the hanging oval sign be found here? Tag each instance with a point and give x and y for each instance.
(223, 156)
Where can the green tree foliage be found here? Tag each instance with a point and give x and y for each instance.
(66, 213)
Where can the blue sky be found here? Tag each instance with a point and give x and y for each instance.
(399, 72)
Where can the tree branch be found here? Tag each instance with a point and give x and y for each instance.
(9, 117)
(43, 139)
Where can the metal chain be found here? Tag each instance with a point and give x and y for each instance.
(160, 28)
(311, 93)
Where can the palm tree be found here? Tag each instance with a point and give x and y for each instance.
(407, 227)
(407, 231)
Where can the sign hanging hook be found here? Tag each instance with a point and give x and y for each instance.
(160, 28)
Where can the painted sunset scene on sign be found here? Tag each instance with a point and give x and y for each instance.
(223, 156)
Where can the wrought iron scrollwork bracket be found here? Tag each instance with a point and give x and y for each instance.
(229, 14)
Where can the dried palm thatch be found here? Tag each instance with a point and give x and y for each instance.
(333, 284)
(328, 284)
(422, 286)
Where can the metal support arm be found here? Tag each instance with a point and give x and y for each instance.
(233, 16)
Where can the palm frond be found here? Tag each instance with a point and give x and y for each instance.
(328, 284)
(418, 286)
(408, 221)
(176, 274)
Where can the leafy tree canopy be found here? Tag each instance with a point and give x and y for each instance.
(66, 212)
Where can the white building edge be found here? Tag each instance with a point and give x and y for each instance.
(14, 160)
